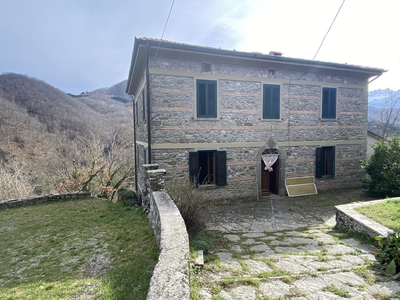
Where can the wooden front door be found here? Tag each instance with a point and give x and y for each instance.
(270, 180)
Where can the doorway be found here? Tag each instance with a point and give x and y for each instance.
(270, 179)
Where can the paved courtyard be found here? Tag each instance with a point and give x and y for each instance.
(287, 248)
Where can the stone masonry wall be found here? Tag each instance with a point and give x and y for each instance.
(173, 100)
(43, 199)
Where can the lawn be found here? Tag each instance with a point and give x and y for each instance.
(78, 249)
(387, 213)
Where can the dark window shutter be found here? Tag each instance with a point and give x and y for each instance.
(318, 163)
(137, 114)
(201, 99)
(144, 156)
(221, 168)
(144, 106)
(267, 101)
(206, 98)
(328, 103)
(271, 101)
(193, 166)
(333, 161)
(212, 99)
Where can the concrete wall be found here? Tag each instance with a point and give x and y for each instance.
(240, 130)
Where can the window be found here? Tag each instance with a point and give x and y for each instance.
(271, 102)
(325, 161)
(144, 156)
(136, 113)
(206, 99)
(144, 106)
(208, 167)
(328, 103)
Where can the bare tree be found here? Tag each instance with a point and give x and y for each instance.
(389, 114)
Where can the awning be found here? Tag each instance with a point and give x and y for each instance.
(269, 160)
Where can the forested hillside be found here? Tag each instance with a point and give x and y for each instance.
(43, 131)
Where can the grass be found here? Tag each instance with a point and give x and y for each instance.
(387, 213)
(75, 248)
(340, 292)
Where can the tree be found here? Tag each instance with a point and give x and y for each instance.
(389, 114)
(383, 169)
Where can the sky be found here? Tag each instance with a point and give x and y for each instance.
(82, 45)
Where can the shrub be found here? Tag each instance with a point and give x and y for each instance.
(127, 197)
(190, 202)
(389, 254)
(383, 169)
(202, 242)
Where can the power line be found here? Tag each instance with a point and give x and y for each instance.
(165, 26)
(328, 30)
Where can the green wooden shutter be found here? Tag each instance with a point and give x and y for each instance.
(206, 98)
(212, 99)
(221, 168)
(333, 161)
(144, 106)
(194, 166)
(271, 101)
(319, 162)
(328, 103)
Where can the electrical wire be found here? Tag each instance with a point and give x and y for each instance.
(165, 26)
(328, 30)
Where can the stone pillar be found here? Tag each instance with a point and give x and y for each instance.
(155, 181)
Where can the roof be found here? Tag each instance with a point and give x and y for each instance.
(374, 135)
(162, 44)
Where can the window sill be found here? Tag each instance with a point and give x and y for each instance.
(206, 119)
(329, 120)
(270, 120)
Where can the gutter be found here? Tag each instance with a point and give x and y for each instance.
(134, 144)
(148, 104)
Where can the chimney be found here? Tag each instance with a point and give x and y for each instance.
(275, 53)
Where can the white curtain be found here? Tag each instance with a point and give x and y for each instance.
(269, 160)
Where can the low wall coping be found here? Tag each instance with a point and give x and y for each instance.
(170, 278)
(347, 217)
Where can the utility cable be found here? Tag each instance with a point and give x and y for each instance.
(165, 26)
(328, 30)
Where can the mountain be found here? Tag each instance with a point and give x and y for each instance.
(34, 114)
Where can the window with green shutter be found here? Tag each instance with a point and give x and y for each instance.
(144, 106)
(328, 103)
(271, 102)
(208, 167)
(206, 99)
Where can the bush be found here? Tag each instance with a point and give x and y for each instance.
(127, 197)
(383, 169)
(202, 242)
(389, 254)
(190, 202)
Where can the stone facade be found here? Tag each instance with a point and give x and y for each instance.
(239, 128)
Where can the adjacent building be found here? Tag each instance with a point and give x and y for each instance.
(241, 123)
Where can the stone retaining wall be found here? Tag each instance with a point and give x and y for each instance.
(170, 278)
(347, 217)
(42, 199)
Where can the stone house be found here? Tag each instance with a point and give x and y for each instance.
(242, 123)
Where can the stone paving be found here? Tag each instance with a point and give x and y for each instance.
(287, 248)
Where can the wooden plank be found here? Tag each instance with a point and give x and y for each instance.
(301, 189)
(299, 180)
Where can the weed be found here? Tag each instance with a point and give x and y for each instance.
(342, 293)
(248, 281)
(216, 289)
(227, 281)
(287, 280)
(381, 296)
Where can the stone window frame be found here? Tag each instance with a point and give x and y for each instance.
(196, 117)
(329, 118)
(262, 102)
